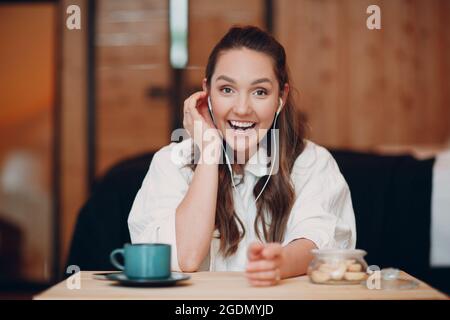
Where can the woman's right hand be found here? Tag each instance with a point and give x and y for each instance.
(198, 122)
(195, 215)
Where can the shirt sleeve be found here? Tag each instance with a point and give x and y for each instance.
(323, 210)
(152, 216)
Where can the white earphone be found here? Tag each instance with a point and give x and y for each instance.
(274, 157)
(280, 106)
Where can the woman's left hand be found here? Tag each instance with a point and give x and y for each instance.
(264, 263)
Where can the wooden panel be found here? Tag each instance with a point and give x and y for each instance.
(363, 88)
(430, 62)
(208, 23)
(73, 124)
(399, 57)
(132, 57)
(444, 49)
(312, 36)
(363, 57)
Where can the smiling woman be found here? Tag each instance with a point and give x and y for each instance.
(244, 216)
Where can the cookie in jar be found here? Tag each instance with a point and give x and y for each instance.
(338, 266)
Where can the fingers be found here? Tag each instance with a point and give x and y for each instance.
(190, 104)
(264, 278)
(191, 114)
(263, 265)
(263, 256)
(196, 111)
(272, 250)
(254, 251)
(264, 262)
(204, 112)
(264, 275)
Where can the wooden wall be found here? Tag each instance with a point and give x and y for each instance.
(132, 59)
(73, 152)
(362, 88)
(208, 23)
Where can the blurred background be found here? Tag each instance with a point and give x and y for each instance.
(73, 103)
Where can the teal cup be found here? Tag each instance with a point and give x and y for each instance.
(144, 261)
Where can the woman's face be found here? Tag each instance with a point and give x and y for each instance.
(244, 97)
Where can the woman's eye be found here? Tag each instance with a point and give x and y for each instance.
(226, 90)
(260, 92)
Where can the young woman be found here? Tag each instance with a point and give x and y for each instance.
(207, 210)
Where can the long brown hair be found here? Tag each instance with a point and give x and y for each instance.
(279, 195)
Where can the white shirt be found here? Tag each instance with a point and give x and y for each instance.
(440, 212)
(322, 211)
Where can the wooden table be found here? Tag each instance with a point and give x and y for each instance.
(231, 286)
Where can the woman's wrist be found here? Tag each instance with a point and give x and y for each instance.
(211, 152)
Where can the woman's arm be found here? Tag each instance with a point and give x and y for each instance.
(297, 258)
(195, 215)
(268, 263)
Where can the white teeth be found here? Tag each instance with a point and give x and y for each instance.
(242, 124)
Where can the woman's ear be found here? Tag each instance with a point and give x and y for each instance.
(285, 93)
(205, 85)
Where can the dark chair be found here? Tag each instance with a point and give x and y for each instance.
(11, 251)
(391, 197)
(102, 222)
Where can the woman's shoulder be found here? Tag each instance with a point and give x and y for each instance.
(173, 161)
(316, 169)
(313, 157)
(176, 154)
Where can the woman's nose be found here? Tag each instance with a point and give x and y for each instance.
(242, 107)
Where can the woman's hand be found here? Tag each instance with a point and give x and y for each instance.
(198, 122)
(264, 263)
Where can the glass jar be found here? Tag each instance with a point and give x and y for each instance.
(338, 266)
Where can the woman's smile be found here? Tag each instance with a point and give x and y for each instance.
(241, 125)
(241, 128)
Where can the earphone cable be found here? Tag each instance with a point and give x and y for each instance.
(273, 161)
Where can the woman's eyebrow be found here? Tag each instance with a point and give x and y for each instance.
(222, 77)
(261, 80)
(225, 78)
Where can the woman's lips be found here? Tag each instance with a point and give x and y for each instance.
(251, 130)
(241, 125)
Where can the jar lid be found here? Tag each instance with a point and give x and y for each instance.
(339, 252)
